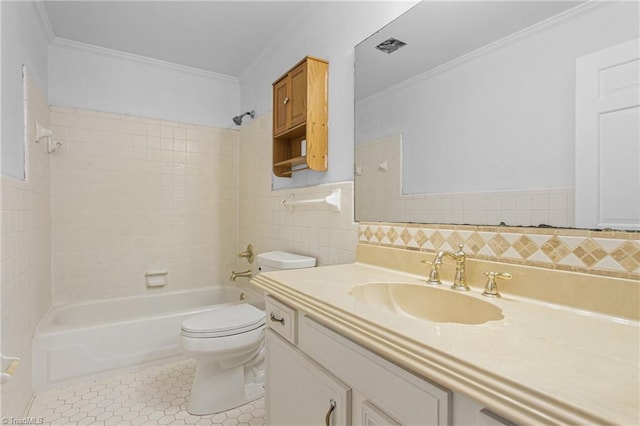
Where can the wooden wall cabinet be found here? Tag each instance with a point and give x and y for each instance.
(300, 113)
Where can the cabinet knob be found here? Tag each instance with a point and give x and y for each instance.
(285, 100)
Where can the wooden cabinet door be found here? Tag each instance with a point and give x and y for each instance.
(298, 104)
(280, 101)
(299, 391)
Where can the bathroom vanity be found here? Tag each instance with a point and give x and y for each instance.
(349, 344)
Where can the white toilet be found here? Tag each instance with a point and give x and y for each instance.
(228, 344)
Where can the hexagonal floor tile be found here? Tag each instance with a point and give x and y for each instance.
(156, 394)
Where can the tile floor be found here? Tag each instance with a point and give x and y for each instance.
(154, 395)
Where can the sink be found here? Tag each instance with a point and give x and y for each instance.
(429, 303)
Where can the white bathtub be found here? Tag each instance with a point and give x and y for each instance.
(84, 341)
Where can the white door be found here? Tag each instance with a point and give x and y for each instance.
(608, 138)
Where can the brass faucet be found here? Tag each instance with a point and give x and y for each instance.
(244, 274)
(459, 281)
(434, 274)
(491, 287)
(248, 254)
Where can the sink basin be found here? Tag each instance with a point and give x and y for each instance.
(429, 303)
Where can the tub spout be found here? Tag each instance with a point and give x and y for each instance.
(245, 274)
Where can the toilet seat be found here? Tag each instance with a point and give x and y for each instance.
(225, 321)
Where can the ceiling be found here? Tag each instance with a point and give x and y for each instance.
(219, 36)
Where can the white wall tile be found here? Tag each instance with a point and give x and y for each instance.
(26, 261)
(134, 195)
(310, 230)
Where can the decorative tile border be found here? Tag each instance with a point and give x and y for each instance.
(607, 253)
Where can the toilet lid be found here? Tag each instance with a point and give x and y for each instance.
(226, 321)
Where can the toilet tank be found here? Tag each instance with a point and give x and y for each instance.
(280, 260)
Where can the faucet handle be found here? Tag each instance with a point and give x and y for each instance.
(248, 253)
(460, 254)
(434, 275)
(491, 287)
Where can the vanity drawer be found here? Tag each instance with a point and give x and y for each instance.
(281, 319)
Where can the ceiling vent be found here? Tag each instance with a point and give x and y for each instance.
(390, 45)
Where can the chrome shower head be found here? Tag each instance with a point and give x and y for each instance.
(238, 118)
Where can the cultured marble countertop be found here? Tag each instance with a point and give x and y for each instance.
(540, 364)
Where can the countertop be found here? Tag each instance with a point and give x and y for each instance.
(540, 364)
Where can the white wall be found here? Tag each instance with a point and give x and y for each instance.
(330, 31)
(24, 42)
(500, 121)
(99, 79)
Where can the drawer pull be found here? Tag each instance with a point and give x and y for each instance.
(327, 418)
(276, 319)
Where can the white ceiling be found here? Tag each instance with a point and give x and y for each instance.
(220, 36)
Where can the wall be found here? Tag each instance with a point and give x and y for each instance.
(24, 41)
(95, 78)
(312, 230)
(132, 194)
(330, 31)
(26, 256)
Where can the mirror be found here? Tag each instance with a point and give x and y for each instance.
(473, 120)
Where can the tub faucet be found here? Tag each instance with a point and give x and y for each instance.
(244, 274)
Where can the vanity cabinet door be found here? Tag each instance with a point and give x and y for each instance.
(299, 391)
(383, 393)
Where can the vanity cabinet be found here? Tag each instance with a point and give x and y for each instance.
(300, 118)
(322, 366)
(300, 391)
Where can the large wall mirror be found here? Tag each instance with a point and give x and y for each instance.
(465, 113)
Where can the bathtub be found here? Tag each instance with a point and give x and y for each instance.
(83, 341)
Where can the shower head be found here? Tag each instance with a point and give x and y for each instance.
(238, 118)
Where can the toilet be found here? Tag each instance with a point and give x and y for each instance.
(228, 345)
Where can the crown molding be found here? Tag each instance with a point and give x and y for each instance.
(131, 57)
(44, 19)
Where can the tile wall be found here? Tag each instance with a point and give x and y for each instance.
(312, 230)
(379, 196)
(606, 253)
(132, 194)
(25, 258)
